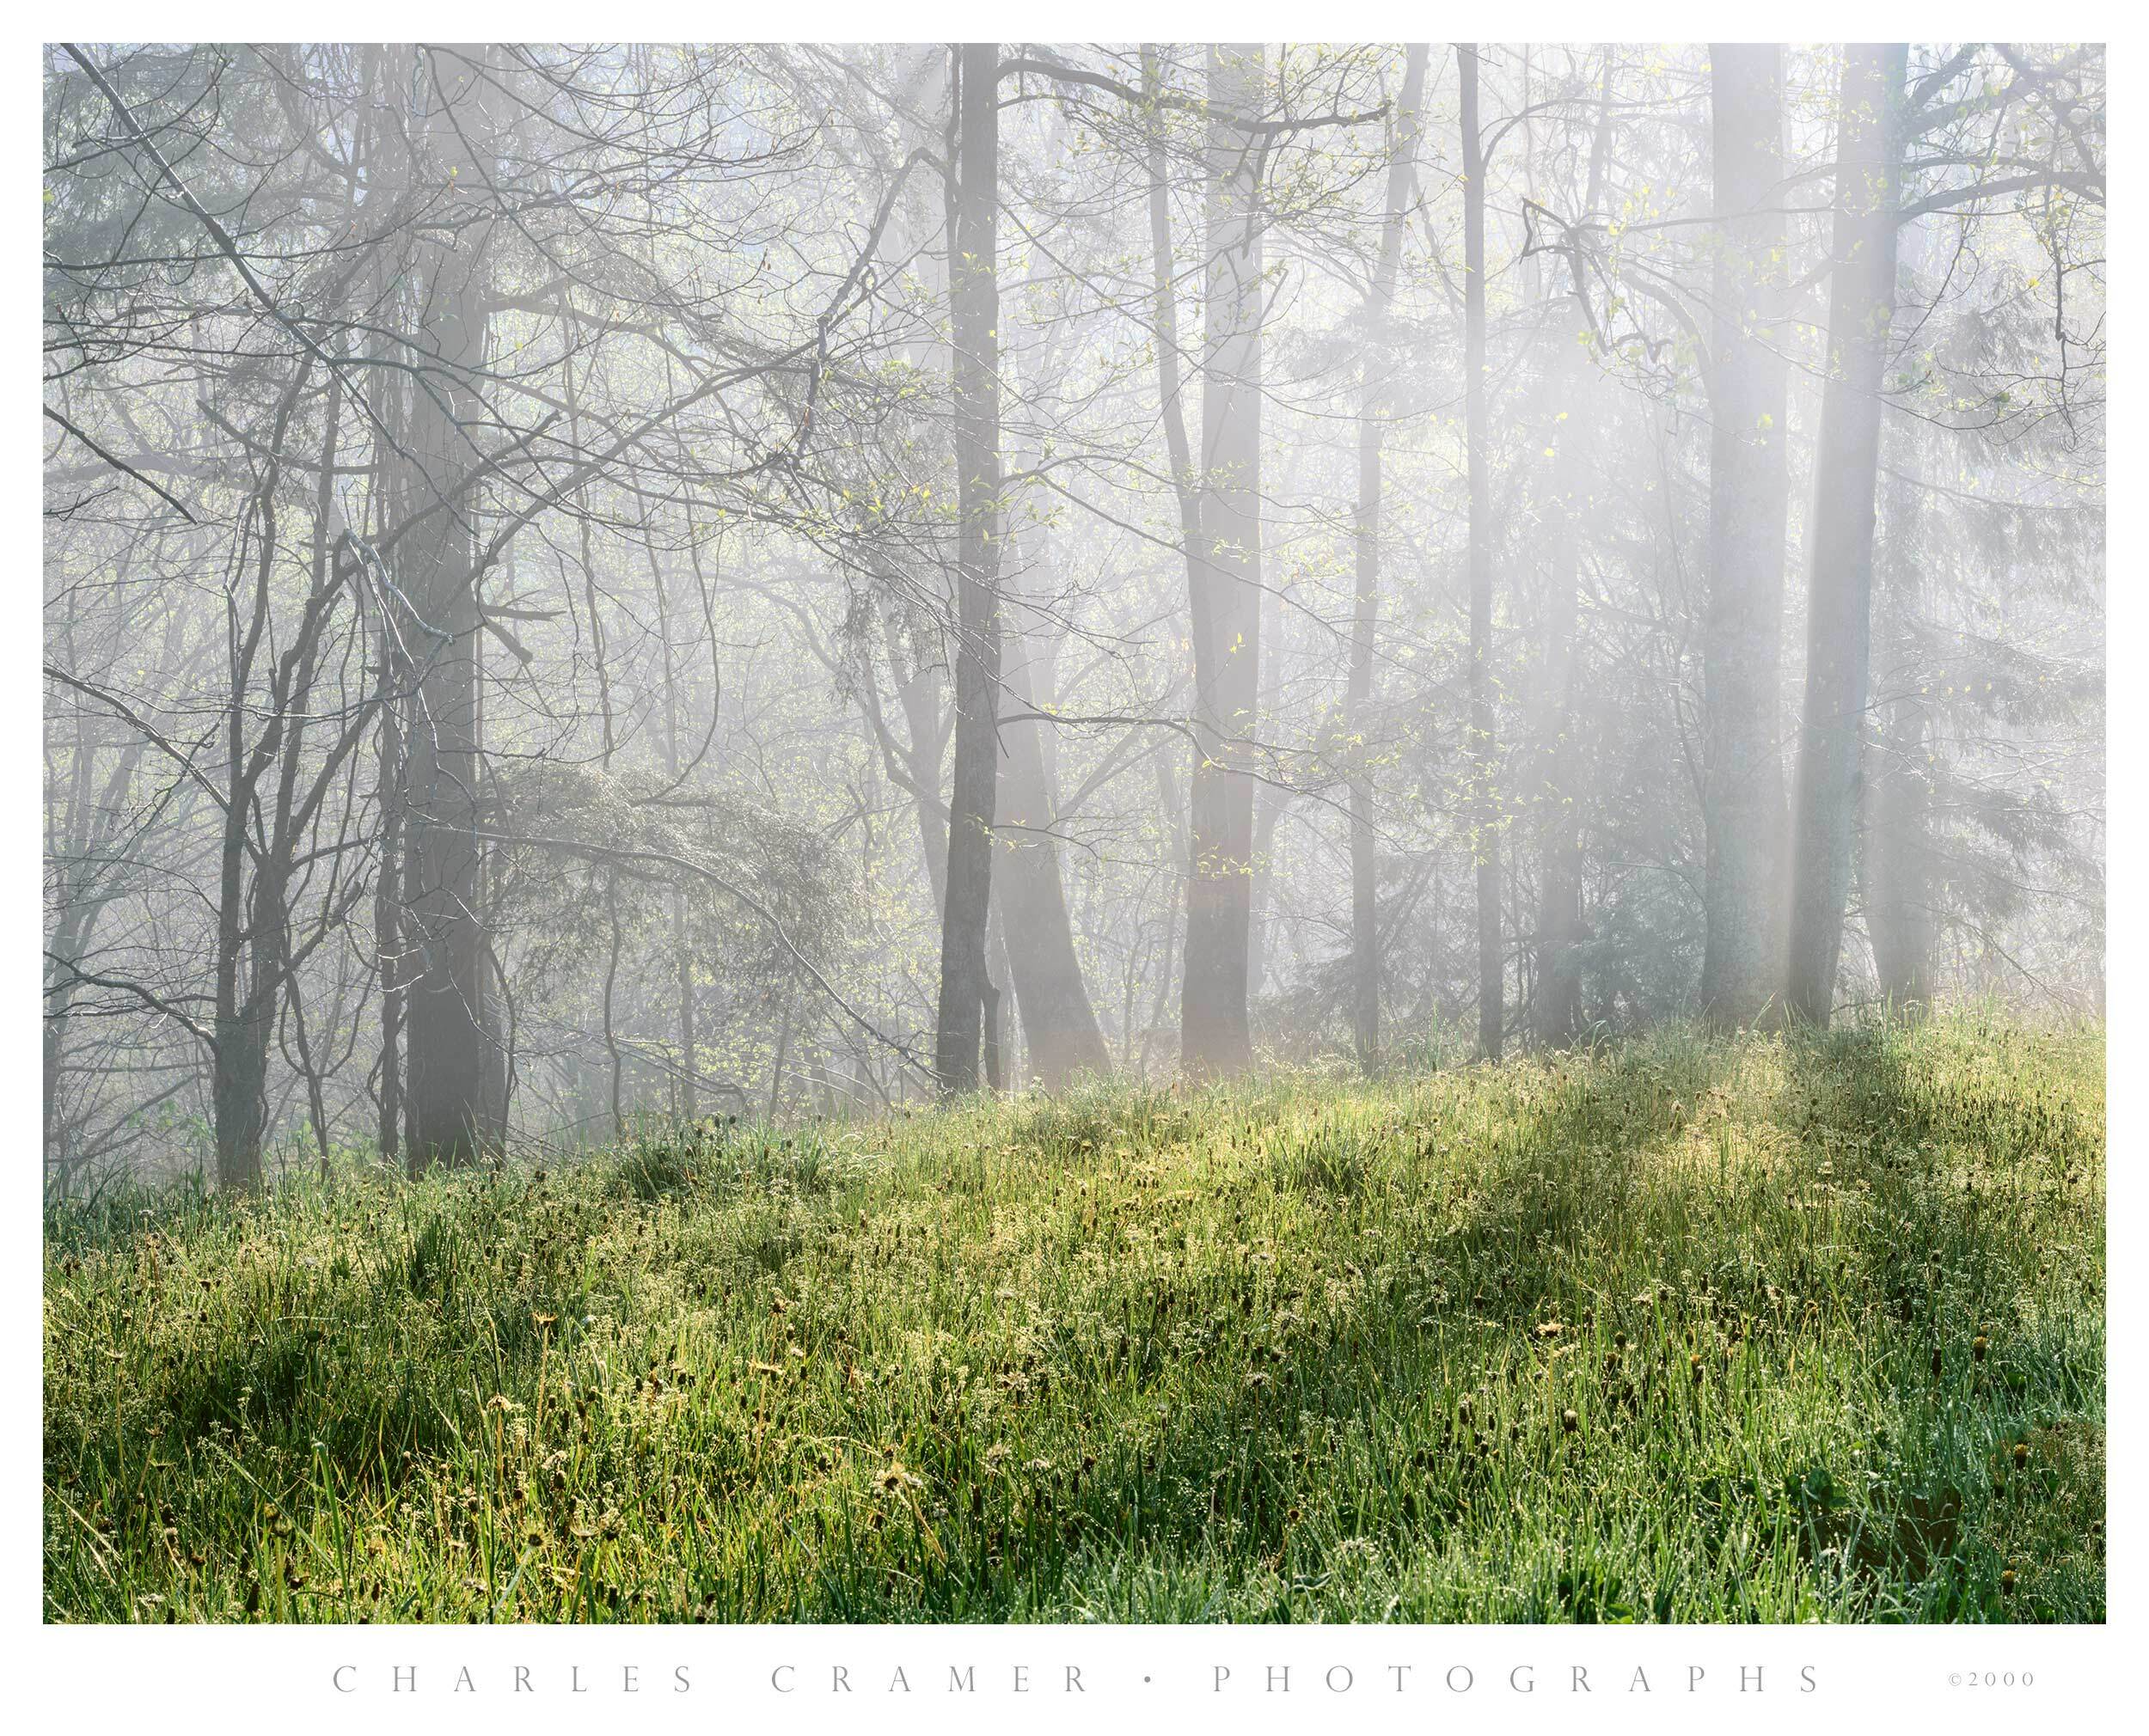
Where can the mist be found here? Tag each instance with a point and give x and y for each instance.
(594, 588)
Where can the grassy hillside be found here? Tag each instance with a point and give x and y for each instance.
(1748, 1330)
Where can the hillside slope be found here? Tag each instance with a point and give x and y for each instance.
(1687, 1330)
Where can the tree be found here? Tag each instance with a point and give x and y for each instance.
(1580, 414)
(1846, 461)
(1484, 727)
(974, 289)
(514, 596)
(1743, 798)
(1899, 858)
(435, 507)
(275, 794)
(1365, 938)
(1224, 577)
(1059, 1025)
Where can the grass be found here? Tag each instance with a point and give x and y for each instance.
(1688, 1329)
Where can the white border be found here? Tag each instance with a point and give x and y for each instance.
(962, 1678)
(179, 1680)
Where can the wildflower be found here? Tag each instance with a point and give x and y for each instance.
(2007, 1581)
(1977, 1347)
(2022, 1454)
(1569, 1421)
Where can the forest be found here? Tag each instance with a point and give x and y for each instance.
(781, 754)
(694, 581)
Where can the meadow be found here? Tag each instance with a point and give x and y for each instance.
(1757, 1329)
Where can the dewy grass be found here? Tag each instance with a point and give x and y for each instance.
(1752, 1330)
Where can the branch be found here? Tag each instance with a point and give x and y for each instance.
(157, 1002)
(230, 248)
(119, 463)
(122, 709)
(1942, 76)
(2090, 186)
(1060, 73)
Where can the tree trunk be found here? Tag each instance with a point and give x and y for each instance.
(1899, 854)
(1484, 772)
(238, 1091)
(1162, 763)
(1216, 1037)
(249, 928)
(1557, 995)
(1267, 811)
(993, 1032)
(386, 908)
(1365, 951)
(245, 1019)
(59, 996)
(610, 1029)
(1861, 303)
(783, 1052)
(681, 962)
(389, 405)
(1059, 1025)
(974, 291)
(446, 1110)
(915, 763)
(1557, 991)
(1743, 801)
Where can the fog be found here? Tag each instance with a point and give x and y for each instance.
(593, 587)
